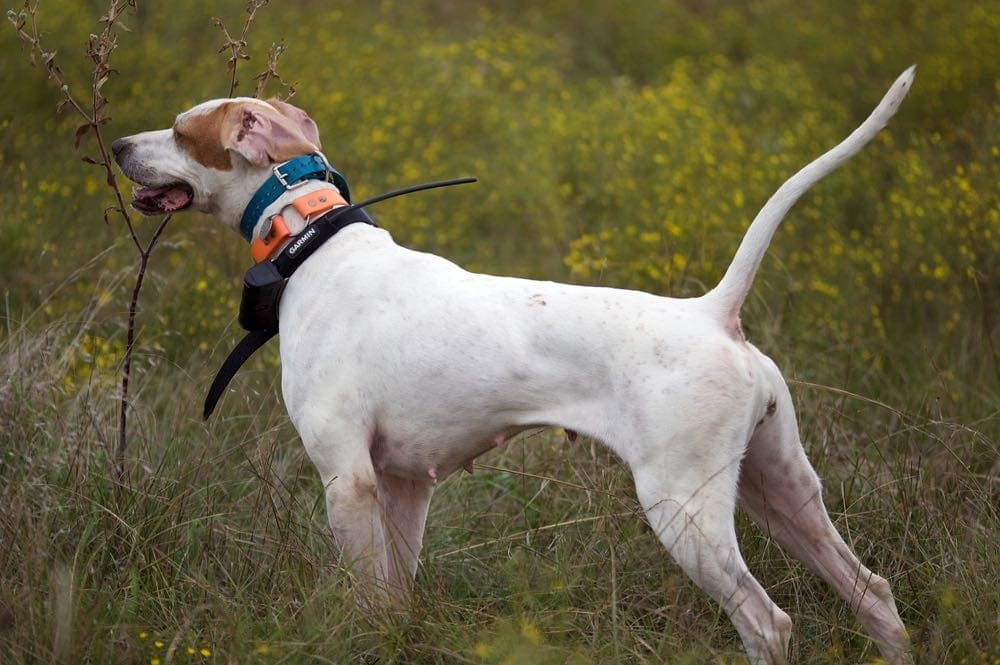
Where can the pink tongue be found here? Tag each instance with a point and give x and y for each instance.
(166, 198)
(174, 199)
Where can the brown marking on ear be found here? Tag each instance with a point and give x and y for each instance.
(200, 136)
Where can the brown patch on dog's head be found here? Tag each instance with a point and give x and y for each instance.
(200, 136)
(262, 132)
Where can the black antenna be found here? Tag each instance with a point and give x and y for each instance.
(414, 188)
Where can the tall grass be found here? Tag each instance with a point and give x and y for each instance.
(619, 144)
(219, 541)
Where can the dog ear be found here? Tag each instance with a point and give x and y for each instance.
(263, 135)
(299, 117)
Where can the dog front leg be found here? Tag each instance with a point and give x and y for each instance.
(339, 447)
(352, 505)
(404, 504)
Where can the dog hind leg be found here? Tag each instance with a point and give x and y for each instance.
(781, 491)
(696, 525)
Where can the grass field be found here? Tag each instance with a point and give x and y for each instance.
(624, 144)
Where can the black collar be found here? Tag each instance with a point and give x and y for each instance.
(302, 246)
(263, 285)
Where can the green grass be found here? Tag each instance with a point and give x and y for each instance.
(618, 143)
(219, 539)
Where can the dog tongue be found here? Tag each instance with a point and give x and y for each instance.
(174, 199)
(167, 198)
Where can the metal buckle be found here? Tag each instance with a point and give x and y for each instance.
(283, 179)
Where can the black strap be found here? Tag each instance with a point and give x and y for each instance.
(253, 341)
(313, 236)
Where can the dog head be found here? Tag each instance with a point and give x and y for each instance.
(215, 156)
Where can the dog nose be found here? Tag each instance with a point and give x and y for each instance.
(118, 146)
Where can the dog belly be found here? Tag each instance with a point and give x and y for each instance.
(436, 418)
(434, 457)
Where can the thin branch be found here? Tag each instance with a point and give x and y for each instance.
(133, 307)
(99, 49)
(238, 47)
(271, 72)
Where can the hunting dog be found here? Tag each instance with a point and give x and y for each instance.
(399, 368)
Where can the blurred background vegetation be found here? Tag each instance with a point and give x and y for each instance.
(625, 144)
(622, 144)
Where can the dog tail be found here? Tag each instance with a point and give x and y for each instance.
(732, 290)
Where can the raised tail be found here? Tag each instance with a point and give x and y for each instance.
(729, 294)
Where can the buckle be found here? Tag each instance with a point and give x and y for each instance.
(283, 179)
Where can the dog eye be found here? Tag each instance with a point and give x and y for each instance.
(178, 136)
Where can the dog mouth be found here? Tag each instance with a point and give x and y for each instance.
(162, 199)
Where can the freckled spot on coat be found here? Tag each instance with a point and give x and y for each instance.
(538, 299)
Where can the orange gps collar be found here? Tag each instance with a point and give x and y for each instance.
(275, 231)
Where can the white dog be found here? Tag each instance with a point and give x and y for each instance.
(399, 368)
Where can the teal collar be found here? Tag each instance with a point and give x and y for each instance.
(286, 176)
